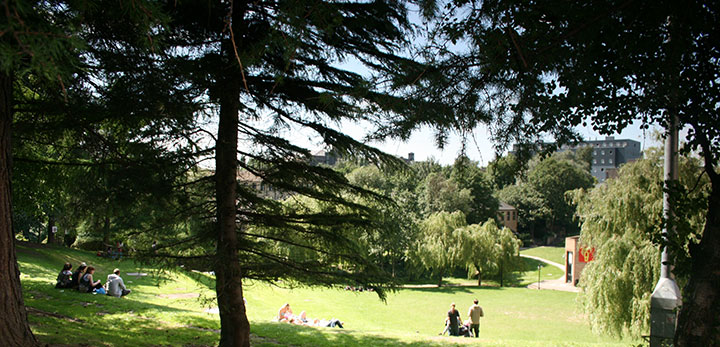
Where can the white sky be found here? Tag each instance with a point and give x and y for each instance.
(422, 143)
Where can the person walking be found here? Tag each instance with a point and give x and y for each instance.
(455, 321)
(474, 315)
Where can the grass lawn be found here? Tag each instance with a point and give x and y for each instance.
(556, 254)
(169, 309)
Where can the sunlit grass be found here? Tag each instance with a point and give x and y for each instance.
(555, 254)
(170, 309)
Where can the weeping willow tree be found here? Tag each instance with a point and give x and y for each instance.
(478, 249)
(620, 220)
(437, 249)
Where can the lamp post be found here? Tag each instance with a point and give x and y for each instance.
(539, 276)
(666, 297)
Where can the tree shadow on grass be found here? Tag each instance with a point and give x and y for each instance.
(450, 289)
(108, 330)
(274, 334)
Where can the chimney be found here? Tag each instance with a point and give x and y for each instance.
(411, 156)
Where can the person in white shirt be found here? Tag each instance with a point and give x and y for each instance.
(116, 285)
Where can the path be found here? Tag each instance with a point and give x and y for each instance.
(558, 284)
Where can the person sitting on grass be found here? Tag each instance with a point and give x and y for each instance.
(64, 279)
(87, 285)
(447, 326)
(285, 314)
(116, 285)
(77, 274)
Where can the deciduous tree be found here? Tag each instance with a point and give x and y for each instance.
(619, 220)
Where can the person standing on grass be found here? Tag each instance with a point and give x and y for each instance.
(116, 285)
(474, 315)
(455, 321)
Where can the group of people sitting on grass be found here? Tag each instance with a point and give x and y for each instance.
(285, 315)
(82, 280)
(454, 324)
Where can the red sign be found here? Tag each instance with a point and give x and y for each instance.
(586, 255)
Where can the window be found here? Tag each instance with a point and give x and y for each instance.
(602, 152)
(507, 215)
(594, 152)
(594, 161)
(610, 151)
(514, 215)
(602, 161)
(609, 161)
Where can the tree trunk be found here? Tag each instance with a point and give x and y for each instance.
(479, 274)
(51, 235)
(106, 228)
(699, 322)
(440, 281)
(14, 326)
(234, 325)
(501, 274)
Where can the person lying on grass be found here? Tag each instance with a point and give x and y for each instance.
(302, 319)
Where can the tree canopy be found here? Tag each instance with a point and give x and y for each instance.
(619, 220)
(540, 69)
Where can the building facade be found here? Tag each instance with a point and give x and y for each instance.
(607, 155)
(508, 216)
(576, 257)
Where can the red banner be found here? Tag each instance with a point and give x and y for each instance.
(586, 255)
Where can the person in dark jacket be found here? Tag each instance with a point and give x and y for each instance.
(455, 321)
(77, 274)
(86, 281)
(64, 279)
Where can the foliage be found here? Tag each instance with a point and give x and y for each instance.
(543, 208)
(503, 171)
(400, 216)
(438, 247)
(469, 175)
(446, 242)
(620, 220)
(438, 193)
(540, 69)
(552, 178)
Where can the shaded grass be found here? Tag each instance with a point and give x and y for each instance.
(514, 316)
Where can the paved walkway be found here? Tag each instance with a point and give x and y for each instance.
(558, 284)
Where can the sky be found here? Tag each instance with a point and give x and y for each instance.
(422, 143)
(478, 146)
